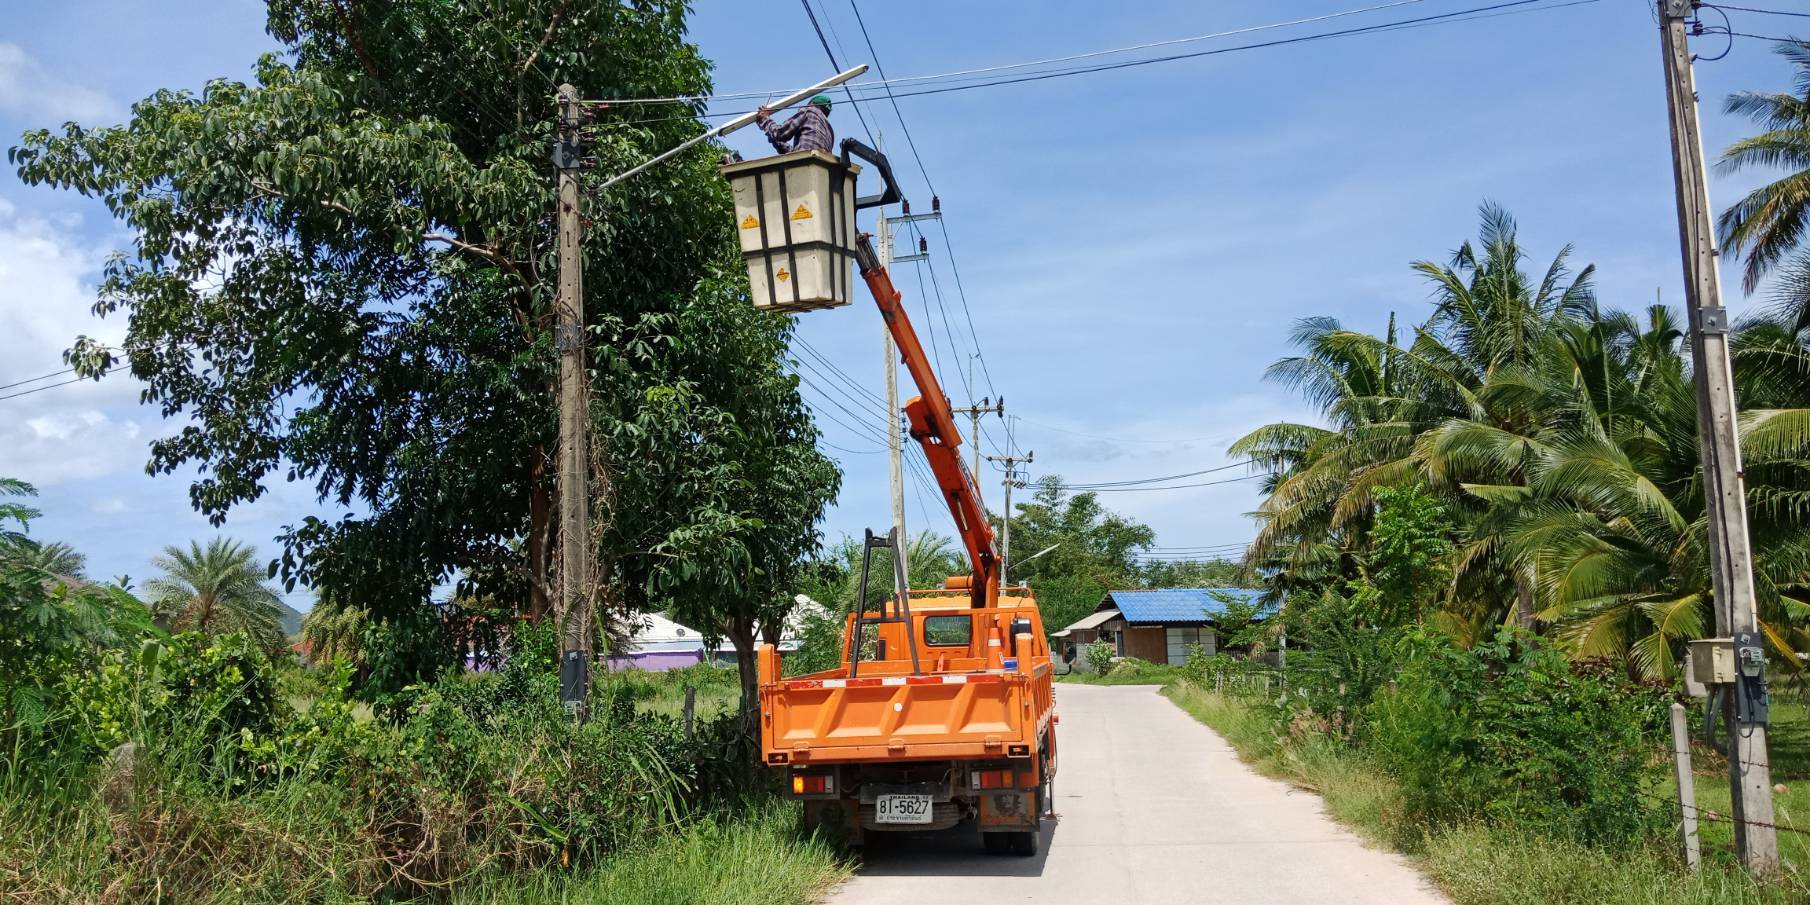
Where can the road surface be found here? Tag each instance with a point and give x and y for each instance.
(1154, 808)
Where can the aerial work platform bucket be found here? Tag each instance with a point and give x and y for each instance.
(795, 214)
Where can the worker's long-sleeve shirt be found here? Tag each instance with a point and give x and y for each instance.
(807, 130)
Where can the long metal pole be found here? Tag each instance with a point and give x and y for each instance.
(574, 466)
(738, 123)
(1731, 555)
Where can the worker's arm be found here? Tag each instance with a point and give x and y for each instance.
(780, 133)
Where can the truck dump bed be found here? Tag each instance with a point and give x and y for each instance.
(977, 696)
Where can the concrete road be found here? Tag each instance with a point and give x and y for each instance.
(1154, 808)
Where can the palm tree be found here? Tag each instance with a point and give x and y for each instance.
(1564, 441)
(217, 588)
(1383, 400)
(60, 559)
(1769, 222)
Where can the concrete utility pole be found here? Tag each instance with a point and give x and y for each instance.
(895, 442)
(974, 412)
(574, 609)
(1731, 556)
(1005, 545)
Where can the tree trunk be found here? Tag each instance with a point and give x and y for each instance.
(1524, 602)
(540, 530)
(740, 634)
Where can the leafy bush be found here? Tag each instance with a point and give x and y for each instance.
(1099, 658)
(208, 696)
(1517, 734)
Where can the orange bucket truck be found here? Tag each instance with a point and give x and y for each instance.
(942, 712)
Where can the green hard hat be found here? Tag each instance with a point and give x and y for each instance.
(822, 100)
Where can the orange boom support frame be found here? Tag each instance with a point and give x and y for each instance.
(943, 710)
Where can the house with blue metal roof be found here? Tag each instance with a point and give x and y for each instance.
(1161, 625)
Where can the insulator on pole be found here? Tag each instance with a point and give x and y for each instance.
(923, 245)
(936, 204)
(906, 202)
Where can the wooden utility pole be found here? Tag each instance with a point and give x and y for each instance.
(1005, 544)
(574, 610)
(1730, 553)
(974, 412)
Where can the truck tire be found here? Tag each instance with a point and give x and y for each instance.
(997, 843)
(1024, 844)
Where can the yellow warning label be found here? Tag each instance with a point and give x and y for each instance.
(749, 222)
(782, 276)
(801, 213)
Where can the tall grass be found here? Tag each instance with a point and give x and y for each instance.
(1476, 864)
(756, 859)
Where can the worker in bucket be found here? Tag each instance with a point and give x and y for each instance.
(807, 130)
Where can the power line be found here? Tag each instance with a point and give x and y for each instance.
(1174, 477)
(1399, 25)
(835, 65)
(1763, 12)
(20, 383)
(884, 82)
(1171, 487)
(42, 388)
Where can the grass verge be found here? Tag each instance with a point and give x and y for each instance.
(757, 859)
(1476, 865)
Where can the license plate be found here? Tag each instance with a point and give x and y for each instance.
(902, 809)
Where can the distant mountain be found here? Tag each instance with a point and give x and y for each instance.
(292, 619)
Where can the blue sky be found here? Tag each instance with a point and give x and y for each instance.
(1134, 245)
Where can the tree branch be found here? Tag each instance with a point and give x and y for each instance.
(355, 38)
(545, 39)
(487, 251)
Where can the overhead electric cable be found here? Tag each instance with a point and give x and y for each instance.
(42, 388)
(1173, 477)
(20, 383)
(883, 82)
(1398, 25)
(836, 66)
(1170, 487)
(1763, 12)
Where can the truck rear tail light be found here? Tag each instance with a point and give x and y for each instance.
(778, 757)
(813, 784)
(993, 779)
(1018, 750)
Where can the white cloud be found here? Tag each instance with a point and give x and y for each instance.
(109, 506)
(28, 90)
(51, 432)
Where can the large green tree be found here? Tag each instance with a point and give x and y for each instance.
(342, 273)
(1096, 550)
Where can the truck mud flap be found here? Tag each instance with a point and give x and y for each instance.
(1008, 811)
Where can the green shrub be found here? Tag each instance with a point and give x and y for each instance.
(1520, 736)
(1099, 658)
(207, 695)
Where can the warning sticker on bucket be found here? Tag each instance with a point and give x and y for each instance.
(749, 222)
(801, 213)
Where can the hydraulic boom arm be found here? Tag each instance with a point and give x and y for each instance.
(933, 426)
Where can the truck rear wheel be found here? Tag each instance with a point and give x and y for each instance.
(997, 843)
(1023, 844)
